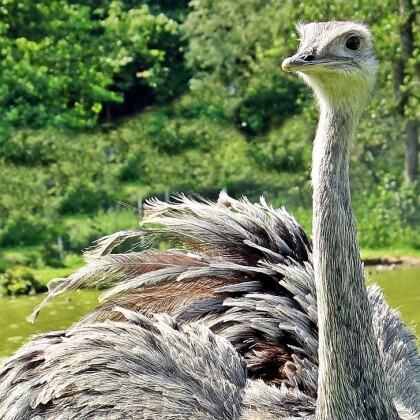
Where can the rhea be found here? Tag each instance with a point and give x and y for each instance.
(241, 320)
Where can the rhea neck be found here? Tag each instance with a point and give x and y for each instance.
(351, 382)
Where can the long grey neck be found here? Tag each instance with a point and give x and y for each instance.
(351, 382)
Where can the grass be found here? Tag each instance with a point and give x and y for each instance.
(131, 188)
(18, 251)
(80, 232)
(397, 252)
(383, 255)
(44, 275)
(22, 255)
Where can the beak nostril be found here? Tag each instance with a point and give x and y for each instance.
(291, 64)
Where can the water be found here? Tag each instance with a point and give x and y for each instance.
(401, 288)
(59, 314)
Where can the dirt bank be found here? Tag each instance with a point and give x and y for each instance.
(391, 262)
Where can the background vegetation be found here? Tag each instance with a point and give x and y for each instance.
(103, 102)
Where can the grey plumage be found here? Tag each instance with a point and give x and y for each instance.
(239, 337)
(262, 305)
(127, 370)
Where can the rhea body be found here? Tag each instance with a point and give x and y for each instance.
(256, 327)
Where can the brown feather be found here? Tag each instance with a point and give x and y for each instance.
(168, 298)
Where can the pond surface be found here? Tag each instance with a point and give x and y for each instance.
(59, 314)
(401, 288)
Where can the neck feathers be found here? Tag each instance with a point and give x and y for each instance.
(351, 380)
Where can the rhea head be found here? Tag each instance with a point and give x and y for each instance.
(337, 60)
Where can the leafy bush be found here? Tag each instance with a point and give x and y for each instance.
(267, 101)
(52, 254)
(27, 212)
(384, 216)
(83, 177)
(81, 232)
(284, 149)
(61, 174)
(62, 66)
(18, 281)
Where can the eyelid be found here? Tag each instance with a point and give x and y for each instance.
(346, 38)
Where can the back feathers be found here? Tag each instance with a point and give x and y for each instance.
(245, 272)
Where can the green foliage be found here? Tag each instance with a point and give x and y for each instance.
(18, 281)
(62, 70)
(385, 216)
(51, 173)
(284, 149)
(26, 212)
(148, 47)
(233, 39)
(263, 105)
(26, 256)
(53, 74)
(216, 112)
(226, 41)
(80, 232)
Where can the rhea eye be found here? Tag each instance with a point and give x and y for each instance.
(353, 43)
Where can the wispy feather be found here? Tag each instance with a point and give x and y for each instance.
(244, 270)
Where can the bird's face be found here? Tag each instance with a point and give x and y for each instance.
(336, 59)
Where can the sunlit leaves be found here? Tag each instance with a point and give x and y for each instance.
(60, 64)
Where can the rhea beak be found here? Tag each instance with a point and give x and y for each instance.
(306, 61)
(299, 60)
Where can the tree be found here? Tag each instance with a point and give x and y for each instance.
(62, 61)
(235, 51)
(406, 70)
(145, 50)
